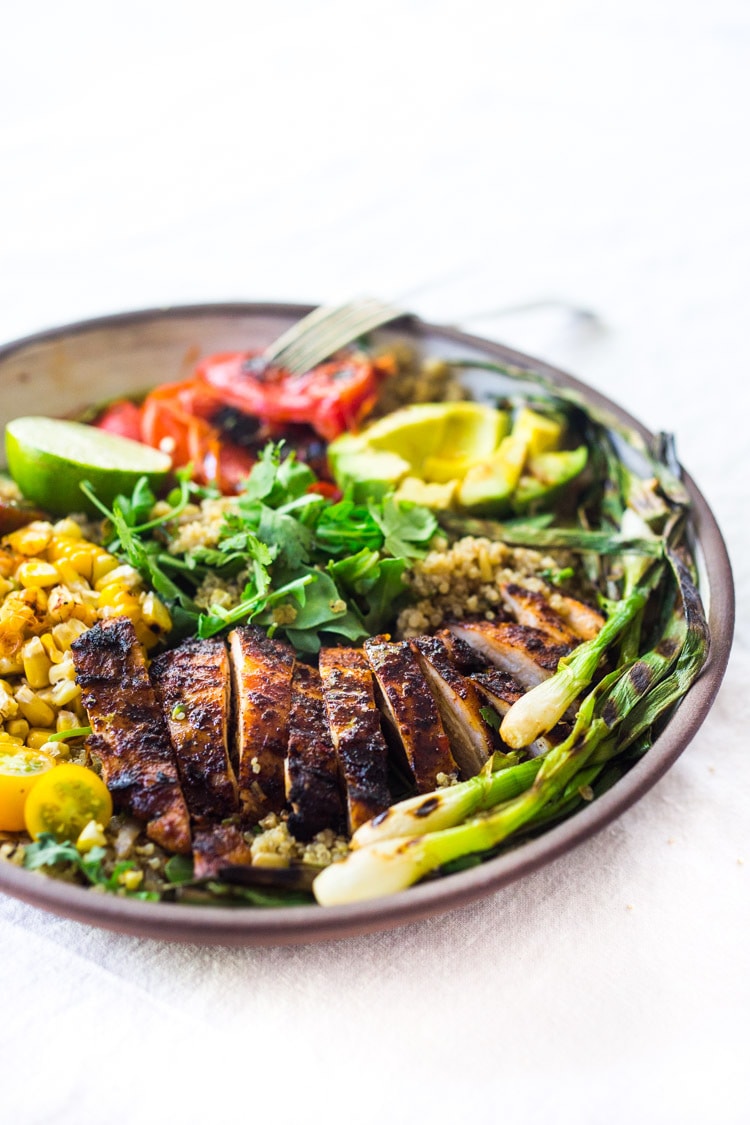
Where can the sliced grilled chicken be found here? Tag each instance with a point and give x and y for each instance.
(528, 654)
(354, 721)
(129, 735)
(501, 691)
(463, 656)
(192, 684)
(409, 707)
(529, 607)
(262, 679)
(311, 769)
(218, 846)
(582, 619)
(470, 737)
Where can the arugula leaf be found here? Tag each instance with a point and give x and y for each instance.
(407, 528)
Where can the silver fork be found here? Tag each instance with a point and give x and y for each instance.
(326, 329)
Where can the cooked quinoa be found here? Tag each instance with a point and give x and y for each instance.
(464, 580)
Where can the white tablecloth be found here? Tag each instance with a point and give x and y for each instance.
(463, 159)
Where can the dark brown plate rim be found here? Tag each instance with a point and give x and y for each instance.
(300, 924)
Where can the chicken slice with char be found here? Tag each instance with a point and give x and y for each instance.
(501, 691)
(262, 671)
(409, 707)
(581, 619)
(129, 735)
(354, 721)
(528, 654)
(193, 686)
(470, 737)
(529, 607)
(311, 769)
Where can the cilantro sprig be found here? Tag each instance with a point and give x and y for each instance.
(47, 852)
(311, 565)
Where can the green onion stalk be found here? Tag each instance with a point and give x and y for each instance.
(628, 700)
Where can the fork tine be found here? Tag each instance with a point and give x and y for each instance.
(308, 323)
(329, 333)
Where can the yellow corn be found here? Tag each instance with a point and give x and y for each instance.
(53, 652)
(8, 705)
(36, 574)
(38, 713)
(155, 614)
(66, 632)
(6, 737)
(18, 728)
(70, 575)
(66, 720)
(104, 563)
(37, 737)
(68, 529)
(63, 693)
(65, 670)
(10, 666)
(124, 576)
(147, 638)
(36, 663)
(32, 539)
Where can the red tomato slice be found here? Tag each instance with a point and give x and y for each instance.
(123, 418)
(331, 398)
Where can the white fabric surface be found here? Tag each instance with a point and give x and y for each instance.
(461, 158)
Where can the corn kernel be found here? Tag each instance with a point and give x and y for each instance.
(70, 575)
(11, 666)
(53, 652)
(18, 728)
(36, 573)
(147, 638)
(64, 693)
(9, 738)
(91, 836)
(38, 713)
(37, 738)
(131, 880)
(8, 705)
(104, 563)
(66, 632)
(68, 528)
(155, 613)
(65, 670)
(66, 720)
(36, 663)
(126, 576)
(32, 539)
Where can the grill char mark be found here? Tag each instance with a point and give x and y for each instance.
(262, 671)
(470, 737)
(129, 735)
(354, 722)
(409, 706)
(311, 769)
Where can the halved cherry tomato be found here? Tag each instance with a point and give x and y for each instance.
(20, 770)
(331, 398)
(64, 800)
(123, 418)
(175, 419)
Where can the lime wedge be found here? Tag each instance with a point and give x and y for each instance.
(48, 458)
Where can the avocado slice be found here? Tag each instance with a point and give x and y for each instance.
(542, 432)
(546, 475)
(368, 472)
(427, 493)
(489, 485)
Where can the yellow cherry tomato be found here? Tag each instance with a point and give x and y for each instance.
(64, 802)
(20, 770)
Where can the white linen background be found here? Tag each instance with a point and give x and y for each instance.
(463, 158)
